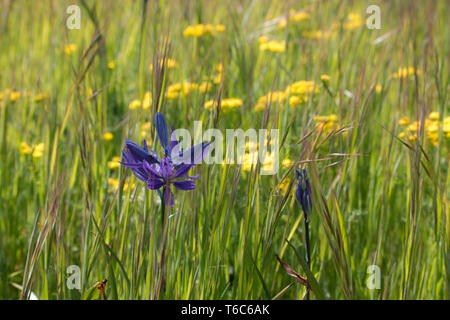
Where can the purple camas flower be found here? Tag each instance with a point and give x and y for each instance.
(166, 174)
(303, 192)
(172, 169)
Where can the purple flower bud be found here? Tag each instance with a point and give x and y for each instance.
(303, 192)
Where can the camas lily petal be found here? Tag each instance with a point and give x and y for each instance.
(162, 132)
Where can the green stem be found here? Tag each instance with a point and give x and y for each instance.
(308, 255)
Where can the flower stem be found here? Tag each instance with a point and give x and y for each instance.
(163, 245)
(308, 255)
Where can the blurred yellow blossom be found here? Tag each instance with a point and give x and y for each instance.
(40, 96)
(114, 184)
(108, 136)
(317, 34)
(283, 185)
(403, 121)
(325, 79)
(403, 73)
(25, 148)
(169, 64)
(274, 97)
(38, 150)
(147, 101)
(114, 163)
(136, 103)
(294, 16)
(326, 123)
(14, 96)
(226, 104)
(434, 115)
(200, 30)
(287, 163)
(273, 46)
(353, 21)
(185, 88)
(263, 39)
(302, 87)
(69, 48)
(431, 127)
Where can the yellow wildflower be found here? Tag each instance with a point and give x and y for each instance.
(272, 97)
(14, 96)
(108, 136)
(69, 48)
(41, 96)
(325, 79)
(273, 46)
(200, 30)
(38, 150)
(136, 103)
(403, 73)
(353, 21)
(147, 101)
(283, 186)
(403, 121)
(434, 115)
(295, 17)
(318, 34)
(169, 64)
(25, 148)
(287, 163)
(114, 183)
(114, 163)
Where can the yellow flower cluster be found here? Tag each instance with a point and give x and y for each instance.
(145, 103)
(283, 185)
(275, 97)
(107, 136)
(185, 88)
(40, 97)
(317, 34)
(145, 128)
(114, 163)
(201, 30)
(432, 127)
(169, 64)
(303, 87)
(14, 95)
(251, 158)
(11, 95)
(225, 104)
(353, 21)
(403, 73)
(271, 45)
(326, 123)
(114, 184)
(294, 16)
(325, 79)
(298, 93)
(287, 163)
(69, 48)
(36, 150)
(217, 78)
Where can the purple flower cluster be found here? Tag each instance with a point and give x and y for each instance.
(170, 170)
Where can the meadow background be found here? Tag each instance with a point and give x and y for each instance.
(365, 111)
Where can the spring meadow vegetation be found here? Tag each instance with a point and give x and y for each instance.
(358, 208)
